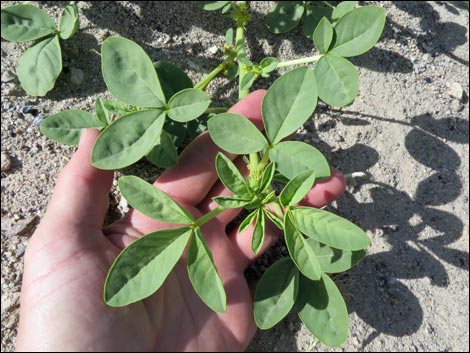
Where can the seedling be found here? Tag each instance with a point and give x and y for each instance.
(157, 108)
(41, 64)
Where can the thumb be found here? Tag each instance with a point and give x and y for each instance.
(80, 197)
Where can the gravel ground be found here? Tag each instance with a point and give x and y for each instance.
(408, 130)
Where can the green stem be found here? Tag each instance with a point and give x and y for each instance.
(301, 61)
(208, 216)
(240, 42)
(328, 4)
(213, 74)
(254, 160)
(276, 207)
(215, 110)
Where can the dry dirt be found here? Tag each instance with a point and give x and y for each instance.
(408, 130)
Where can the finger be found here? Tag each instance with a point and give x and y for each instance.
(193, 177)
(80, 197)
(242, 243)
(325, 191)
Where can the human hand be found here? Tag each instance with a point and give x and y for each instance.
(69, 255)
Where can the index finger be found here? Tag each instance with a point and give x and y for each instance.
(191, 180)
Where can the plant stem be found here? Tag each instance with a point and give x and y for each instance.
(328, 4)
(208, 216)
(213, 74)
(301, 61)
(215, 110)
(240, 43)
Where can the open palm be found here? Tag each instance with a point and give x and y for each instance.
(69, 255)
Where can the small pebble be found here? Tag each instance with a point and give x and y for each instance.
(455, 91)
(77, 76)
(6, 162)
(8, 76)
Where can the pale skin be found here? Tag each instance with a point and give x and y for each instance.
(70, 253)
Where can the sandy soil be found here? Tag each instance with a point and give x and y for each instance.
(408, 130)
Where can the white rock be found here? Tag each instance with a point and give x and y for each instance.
(455, 91)
(6, 162)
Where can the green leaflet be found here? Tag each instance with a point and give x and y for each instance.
(313, 15)
(127, 139)
(342, 9)
(152, 201)
(267, 178)
(164, 153)
(293, 158)
(203, 274)
(322, 310)
(337, 79)
(329, 229)
(23, 23)
(142, 267)
(66, 126)
(129, 73)
(40, 66)
(323, 35)
(284, 16)
(335, 260)
(116, 107)
(289, 102)
(69, 22)
(236, 134)
(248, 80)
(231, 201)
(230, 176)
(258, 233)
(172, 79)
(247, 221)
(188, 104)
(101, 112)
(299, 250)
(267, 65)
(297, 188)
(358, 31)
(278, 222)
(213, 5)
(229, 36)
(276, 293)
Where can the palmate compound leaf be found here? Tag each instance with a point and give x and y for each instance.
(330, 229)
(142, 267)
(294, 157)
(129, 73)
(289, 102)
(66, 126)
(358, 31)
(284, 16)
(25, 22)
(322, 310)
(203, 274)
(40, 66)
(236, 134)
(152, 201)
(299, 250)
(338, 80)
(276, 293)
(127, 139)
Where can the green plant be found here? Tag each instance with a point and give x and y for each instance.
(41, 64)
(158, 108)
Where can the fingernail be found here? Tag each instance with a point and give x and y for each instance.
(82, 137)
